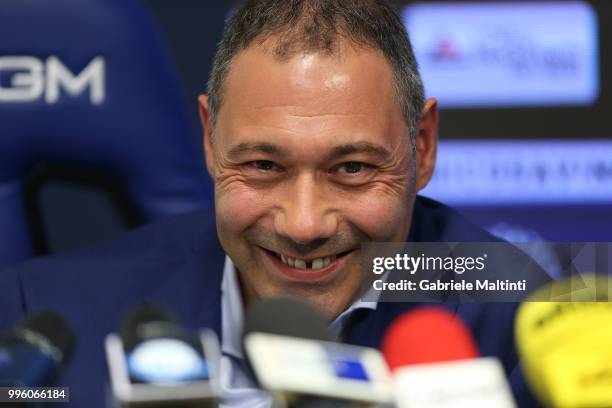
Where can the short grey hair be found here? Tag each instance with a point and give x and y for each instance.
(318, 26)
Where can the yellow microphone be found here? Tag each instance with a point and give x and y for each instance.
(564, 338)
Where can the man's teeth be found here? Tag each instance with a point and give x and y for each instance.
(302, 264)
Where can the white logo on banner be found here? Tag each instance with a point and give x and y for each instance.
(32, 79)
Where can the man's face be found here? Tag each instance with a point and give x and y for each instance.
(310, 157)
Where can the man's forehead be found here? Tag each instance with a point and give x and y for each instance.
(351, 80)
(311, 102)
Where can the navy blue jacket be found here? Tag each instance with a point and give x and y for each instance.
(177, 263)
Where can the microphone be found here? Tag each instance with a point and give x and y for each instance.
(436, 364)
(154, 362)
(286, 316)
(35, 351)
(291, 352)
(565, 344)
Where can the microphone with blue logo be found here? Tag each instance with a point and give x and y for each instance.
(293, 357)
(35, 351)
(154, 362)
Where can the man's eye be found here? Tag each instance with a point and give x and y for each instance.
(353, 173)
(352, 167)
(262, 165)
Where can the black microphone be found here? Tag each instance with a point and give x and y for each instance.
(286, 317)
(292, 354)
(155, 362)
(35, 351)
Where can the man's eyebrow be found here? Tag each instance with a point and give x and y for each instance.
(360, 147)
(261, 147)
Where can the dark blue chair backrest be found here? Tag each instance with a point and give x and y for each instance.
(89, 83)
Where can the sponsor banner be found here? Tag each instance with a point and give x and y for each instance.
(525, 172)
(497, 54)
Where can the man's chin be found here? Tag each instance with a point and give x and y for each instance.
(330, 303)
(330, 289)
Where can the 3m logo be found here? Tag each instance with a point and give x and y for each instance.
(31, 79)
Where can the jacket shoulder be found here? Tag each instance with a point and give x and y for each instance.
(157, 242)
(129, 267)
(433, 221)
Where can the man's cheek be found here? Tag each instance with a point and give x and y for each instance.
(238, 208)
(381, 219)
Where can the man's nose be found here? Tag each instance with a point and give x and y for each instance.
(307, 213)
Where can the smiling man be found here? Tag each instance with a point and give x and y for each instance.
(318, 138)
(311, 155)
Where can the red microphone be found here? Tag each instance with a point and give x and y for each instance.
(436, 364)
(427, 335)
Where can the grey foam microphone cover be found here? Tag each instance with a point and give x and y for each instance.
(287, 317)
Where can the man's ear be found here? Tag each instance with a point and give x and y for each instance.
(208, 132)
(426, 143)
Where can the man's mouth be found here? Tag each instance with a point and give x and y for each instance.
(297, 263)
(313, 268)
